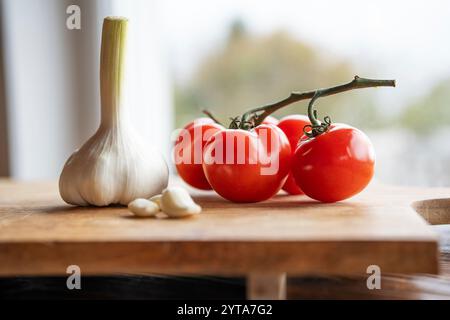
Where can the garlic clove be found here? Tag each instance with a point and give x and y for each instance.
(177, 203)
(143, 207)
(156, 199)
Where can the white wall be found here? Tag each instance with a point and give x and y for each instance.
(51, 79)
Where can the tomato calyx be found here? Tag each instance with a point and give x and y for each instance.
(316, 127)
(236, 123)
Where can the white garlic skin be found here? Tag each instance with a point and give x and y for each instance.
(112, 167)
(143, 208)
(177, 203)
(156, 199)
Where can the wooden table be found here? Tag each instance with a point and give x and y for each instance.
(40, 235)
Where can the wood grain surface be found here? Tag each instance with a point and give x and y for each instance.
(156, 286)
(40, 235)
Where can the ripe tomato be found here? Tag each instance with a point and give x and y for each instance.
(247, 166)
(202, 120)
(188, 151)
(292, 126)
(270, 120)
(335, 165)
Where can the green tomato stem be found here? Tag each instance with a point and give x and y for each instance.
(256, 116)
(211, 116)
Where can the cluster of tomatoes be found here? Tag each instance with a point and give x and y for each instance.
(329, 167)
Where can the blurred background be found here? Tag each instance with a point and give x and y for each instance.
(228, 56)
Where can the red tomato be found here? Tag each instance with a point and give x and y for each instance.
(190, 171)
(188, 151)
(270, 120)
(247, 166)
(292, 126)
(334, 165)
(202, 120)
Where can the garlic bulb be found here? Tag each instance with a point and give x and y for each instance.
(114, 166)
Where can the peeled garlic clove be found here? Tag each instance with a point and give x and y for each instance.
(177, 203)
(156, 199)
(143, 208)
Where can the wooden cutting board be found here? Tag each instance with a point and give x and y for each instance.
(41, 235)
